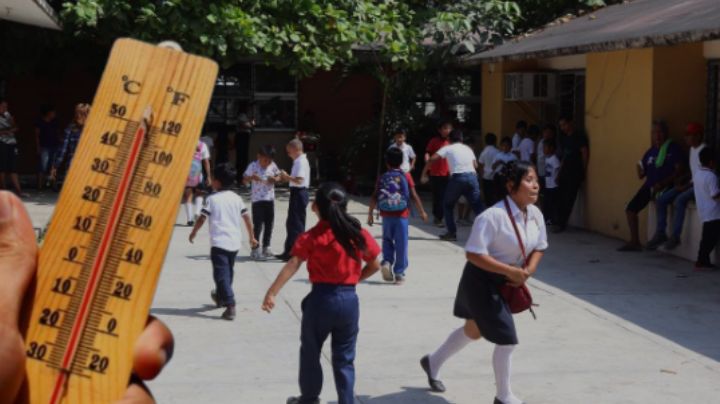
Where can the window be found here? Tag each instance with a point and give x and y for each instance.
(462, 95)
(254, 91)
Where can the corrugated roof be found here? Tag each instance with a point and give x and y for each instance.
(31, 12)
(636, 24)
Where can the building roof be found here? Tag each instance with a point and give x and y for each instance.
(31, 12)
(634, 24)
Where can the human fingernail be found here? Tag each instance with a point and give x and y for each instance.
(6, 206)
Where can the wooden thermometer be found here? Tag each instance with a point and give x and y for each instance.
(101, 259)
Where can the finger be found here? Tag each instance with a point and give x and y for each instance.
(137, 393)
(153, 349)
(18, 258)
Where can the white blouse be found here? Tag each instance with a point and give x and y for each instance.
(493, 234)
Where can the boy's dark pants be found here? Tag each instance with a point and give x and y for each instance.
(297, 210)
(263, 215)
(568, 190)
(550, 203)
(710, 237)
(438, 185)
(223, 263)
(329, 310)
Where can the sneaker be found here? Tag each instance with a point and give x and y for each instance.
(255, 254)
(387, 273)
(399, 279)
(190, 223)
(267, 253)
(229, 313)
(448, 237)
(296, 400)
(656, 242)
(672, 243)
(213, 296)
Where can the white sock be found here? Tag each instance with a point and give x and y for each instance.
(501, 366)
(188, 211)
(456, 341)
(198, 205)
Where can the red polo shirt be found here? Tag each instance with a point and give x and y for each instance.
(327, 261)
(438, 168)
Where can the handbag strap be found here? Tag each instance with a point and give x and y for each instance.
(517, 232)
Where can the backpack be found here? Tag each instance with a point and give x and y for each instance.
(393, 192)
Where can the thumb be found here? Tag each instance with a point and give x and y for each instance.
(18, 258)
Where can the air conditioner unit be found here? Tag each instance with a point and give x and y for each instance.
(530, 86)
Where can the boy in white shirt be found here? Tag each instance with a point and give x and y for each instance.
(409, 157)
(504, 156)
(224, 210)
(707, 200)
(526, 148)
(552, 168)
(262, 174)
(299, 180)
(485, 161)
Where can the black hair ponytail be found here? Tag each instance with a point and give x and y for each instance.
(332, 200)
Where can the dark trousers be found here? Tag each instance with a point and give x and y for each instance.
(223, 263)
(465, 184)
(567, 194)
(550, 203)
(295, 224)
(329, 310)
(438, 185)
(710, 238)
(263, 215)
(488, 188)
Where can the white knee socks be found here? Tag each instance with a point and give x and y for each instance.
(198, 205)
(501, 366)
(456, 341)
(188, 211)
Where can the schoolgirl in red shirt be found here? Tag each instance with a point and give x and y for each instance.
(334, 250)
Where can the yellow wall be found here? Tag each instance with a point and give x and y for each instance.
(618, 97)
(492, 98)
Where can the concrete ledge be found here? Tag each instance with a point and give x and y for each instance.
(691, 233)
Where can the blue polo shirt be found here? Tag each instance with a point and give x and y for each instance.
(653, 175)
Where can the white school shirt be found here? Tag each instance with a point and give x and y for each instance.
(552, 168)
(526, 149)
(493, 234)
(706, 189)
(460, 158)
(487, 157)
(516, 141)
(695, 159)
(408, 154)
(301, 168)
(224, 211)
(503, 157)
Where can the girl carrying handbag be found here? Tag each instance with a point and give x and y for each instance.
(518, 298)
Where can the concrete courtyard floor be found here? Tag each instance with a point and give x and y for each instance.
(611, 327)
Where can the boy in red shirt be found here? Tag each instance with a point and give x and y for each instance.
(392, 197)
(439, 170)
(334, 250)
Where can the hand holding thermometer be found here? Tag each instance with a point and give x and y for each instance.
(101, 259)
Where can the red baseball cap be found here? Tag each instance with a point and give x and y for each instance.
(694, 128)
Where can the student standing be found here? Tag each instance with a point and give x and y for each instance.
(548, 133)
(485, 166)
(519, 135)
(47, 138)
(438, 170)
(495, 257)
(193, 185)
(573, 168)
(526, 148)
(8, 149)
(502, 158)
(299, 179)
(392, 197)
(70, 140)
(707, 199)
(225, 210)
(550, 192)
(463, 180)
(400, 142)
(262, 174)
(334, 251)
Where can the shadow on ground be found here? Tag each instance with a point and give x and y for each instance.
(194, 312)
(408, 395)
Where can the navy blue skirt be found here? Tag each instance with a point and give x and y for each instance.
(478, 298)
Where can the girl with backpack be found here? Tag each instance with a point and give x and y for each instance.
(392, 197)
(334, 250)
(193, 185)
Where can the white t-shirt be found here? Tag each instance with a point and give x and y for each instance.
(493, 234)
(695, 159)
(487, 157)
(224, 211)
(552, 168)
(408, 154)
(706, 189)
(262, 190)
(516, 141)
(301, 168)
(209, 142)
(460, 158)
(6, 122)
(526, 149)
(503, 158)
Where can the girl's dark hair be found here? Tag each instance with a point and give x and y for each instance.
(514, 172)
(332, 200)
(267, 151)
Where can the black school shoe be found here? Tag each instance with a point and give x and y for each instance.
(497, 401)
(283, 257)
(448, 237)
(435, 385)
(296, 400)
(229, 313)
